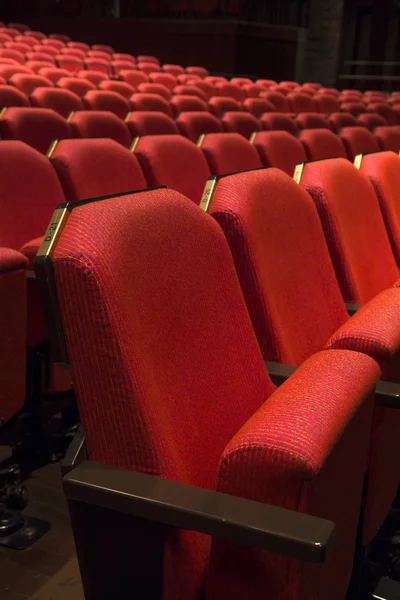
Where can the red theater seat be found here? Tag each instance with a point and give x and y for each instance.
(173, 69)
(384, 110)
(150, 102)
(327, 104)
(37, 127)
(189, 90)
(98, 65)
(35, 66)
(13, 54)
(79, 46)
(229, 153)
(371, 120)
(75, 52)
(354, 108)
(69, 63)
(61, 101)
(103, 48)
(340, 119)
(124, 57)
(101, 100)
(253, 90)
(142, 123)
(201, 71)
(229, 90)
(154, 88)
(19, 47)
(185, 78)
(242, 81)
(147, 58)
(300, 103)
(311, 121)
(279, 149)
(166, 79)
(180, 104)
(117, 66)
(148, 67)
(278, 100)
(53, 73)
(194, 124)
(119, 87)
(99, 124)
(10, 96)
(167, 159)
(358, 140)
(76, 85)
(53, 43)
(240, 122)
(266, 83)
(219, 106)
(388, 138)
(275, 121)
(257, 106)
(27, 83)
(99, 54)
(92, 168)
(134, 78)
(321, 143)
(94, 77)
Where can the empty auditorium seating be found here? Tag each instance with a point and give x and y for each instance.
(13, 54)
(134, 78)
(279, 149)
(106, 100)
(148, 67)
(327, 104)
(98, 65)
(278, 100)
(150, 102)
(124, 56)
(371, 120)
(154, 88)
(61, 101)
(189, 90)
(76, 85)
(388, 138)
(27, 83)
(13, 329)
(339, 120)
(229, 153)
(166, 79)
(173, 69)
(278, 121)
(279, 250)
(249, 445)
(252, 90)
(117, 66)
(53, 73)
(10, 96)
(8, 70)
(354, 108)
(37, 127)
(208, 89)
(257, 106)
(147, 58)
(180, 104)
(229, 90)
(120, 87)
(383, 109)
(69, 63)
(311, 121)
(242, 81)
(93, 76)
(358, 140)
(240, 122)
(301, 103)
(201, 71)
(194, 124)
(321, 143)
(103, 47)
(99, 124)
(167, 159)
(219, 106)
(91, 168)
(354, 228)
(142, 123)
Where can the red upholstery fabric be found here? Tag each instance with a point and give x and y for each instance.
(36, 34)
(150, 102)
(10, 96)
(219, 106)
(99, 54)
(229, 153)
(76, 85)
(388, 138)
(119, 87)
(279, 149)
(134, 78)
(142, 123)
(358, 140)
(173, 69)
(71, 64)
(94, 76)
(314, 477)
(353, 227)
(278, 100)
(382, 168)
(278, 122)
(32, 56)
(37, 127)
(147, 58)
(148, 67)
(258, 106)
(384, 110)
(321, 143)
(100, 124)
(311, 121)
(266, 83)
(124, 56)
(253, 90)
(20, 47)
(96, 167)
(214, 79)
(277, 243)
(241, 81)
(301, 103)
(327, 104)
(61, 101)
(96, 64)
(197, 71)
(13, 332)
(104, 48)
(34, 66)
(371, 120)
(27, 83)
(354, 108)
(189, 90)
(180, 104)
(79, 45)
(187, 79)
(240, 122)
(193, 124)
(154, 88)
(230, 90)
(54, 43)
(110, 101)
(53, 73)
(75, 52)
(167, 159)
(166, 79)
(14, 54)
(142, 433)
(121, 65)
(8, 70)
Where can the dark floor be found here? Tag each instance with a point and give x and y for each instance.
(48, 570)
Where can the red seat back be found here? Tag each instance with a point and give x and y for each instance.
(371, 120)
(142, 123)
(279, 149)
(229, 153)
(194, 124)
(106, 100)
(37, 127)
(240, 122)
(311, 121)
(388, 138)
(149, 102)
(61, 101)
(219, 106)
(258, 106)
(358, 140)
(99, 124)
(321, 143)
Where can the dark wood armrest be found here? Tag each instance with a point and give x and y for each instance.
(174, 504)
(352, 308)
(387, 394)
(279, 372)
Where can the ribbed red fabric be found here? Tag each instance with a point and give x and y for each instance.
(353, 227)
(240, 122)
(100, 124)
(142, 350)
(279, 250)
(90, 168)
(321, 143)
(229, 153)
(358, 140)
(279, 149)
(167, 160)
(321, 473)
(193, 124)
